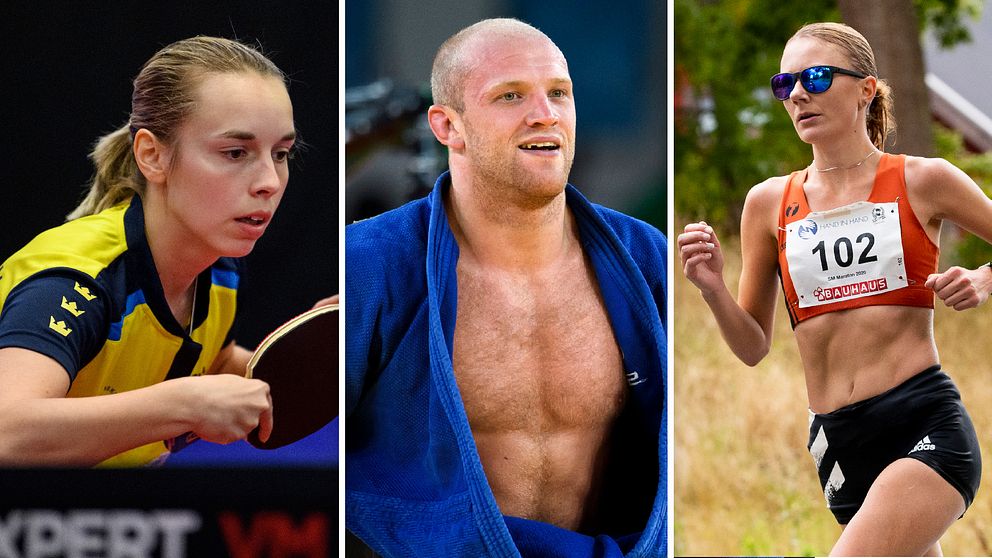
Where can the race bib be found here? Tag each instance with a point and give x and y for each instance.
(846, 253)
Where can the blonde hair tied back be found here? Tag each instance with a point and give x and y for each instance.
(879, 118)
(163, 97)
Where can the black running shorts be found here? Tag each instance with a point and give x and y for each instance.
(922, 418)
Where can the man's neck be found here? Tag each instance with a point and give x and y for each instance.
(510, 236)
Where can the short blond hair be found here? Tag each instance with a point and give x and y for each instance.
(450, 66)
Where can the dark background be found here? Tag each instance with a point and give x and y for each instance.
(67, 72)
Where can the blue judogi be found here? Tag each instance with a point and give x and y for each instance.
(414, 482)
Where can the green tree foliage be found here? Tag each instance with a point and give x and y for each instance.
(945, 18)
(730, 133)
(968, 250)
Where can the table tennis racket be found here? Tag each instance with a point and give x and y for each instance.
(299, 361)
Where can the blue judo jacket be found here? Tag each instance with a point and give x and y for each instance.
(414, 482)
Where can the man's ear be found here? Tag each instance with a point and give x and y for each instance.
(151, 155)
(447, 126)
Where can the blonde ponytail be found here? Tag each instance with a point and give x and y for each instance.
(879, 119)
(116, 178)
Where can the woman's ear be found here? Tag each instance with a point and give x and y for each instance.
(447, 126)
(869, 87)
(151, 155)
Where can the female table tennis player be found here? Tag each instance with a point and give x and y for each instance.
(115, 328)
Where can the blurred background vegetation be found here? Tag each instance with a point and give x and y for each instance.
(730, 133)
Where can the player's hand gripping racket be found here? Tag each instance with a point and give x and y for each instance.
(299, 361)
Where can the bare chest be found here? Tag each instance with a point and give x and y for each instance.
(536, 354)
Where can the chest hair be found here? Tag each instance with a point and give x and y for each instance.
(536, 352)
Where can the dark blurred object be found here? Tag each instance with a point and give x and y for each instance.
(391, 156)
(166, 512)
(354, 547)
(374, 111)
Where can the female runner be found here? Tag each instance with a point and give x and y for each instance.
(853, 241)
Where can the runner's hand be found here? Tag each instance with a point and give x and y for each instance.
(961, 288)
(702, 257)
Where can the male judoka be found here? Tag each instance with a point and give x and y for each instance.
(506, 353)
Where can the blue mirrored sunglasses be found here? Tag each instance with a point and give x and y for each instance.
(815, 79)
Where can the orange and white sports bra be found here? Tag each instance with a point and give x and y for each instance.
(866, 253)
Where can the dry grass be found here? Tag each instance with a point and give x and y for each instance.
(744, 482)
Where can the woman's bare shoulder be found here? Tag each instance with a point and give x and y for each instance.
(766, 195)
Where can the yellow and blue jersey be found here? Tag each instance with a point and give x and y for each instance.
(88, 295)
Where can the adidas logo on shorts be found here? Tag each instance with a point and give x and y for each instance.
(923, 445)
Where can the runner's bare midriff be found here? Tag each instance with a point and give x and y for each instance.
(851, 355)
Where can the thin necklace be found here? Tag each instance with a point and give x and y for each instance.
(192, 310)
(854, 166)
